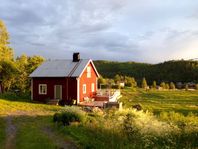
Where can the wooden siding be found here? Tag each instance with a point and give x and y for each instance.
(69, 86)
(88, 82)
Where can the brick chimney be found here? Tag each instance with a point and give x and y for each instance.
(76, 57)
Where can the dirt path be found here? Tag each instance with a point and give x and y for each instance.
(10, 133)
(60, 142)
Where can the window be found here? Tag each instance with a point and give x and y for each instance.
(84, 88)
(92, 87)
(88, 72)
(43, 89)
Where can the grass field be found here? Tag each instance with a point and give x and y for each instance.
(26, 125)
(162, 101)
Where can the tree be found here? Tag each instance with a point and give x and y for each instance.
(172, 85)
(196, 86)
(144, 83)
(163, 85)
(8, 73)
(22, 80)
(6, 53)
(167, 86)
(154, 85)
(34, 62)
(26, 65)
(130, 82)
(186, 87)
(117, 78)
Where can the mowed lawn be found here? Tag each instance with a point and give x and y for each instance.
(25, 125)
(162, 101)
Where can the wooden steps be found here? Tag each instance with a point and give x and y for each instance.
(53, 102)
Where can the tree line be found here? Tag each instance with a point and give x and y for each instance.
(127, 81)
(171, 71)
(14, 72)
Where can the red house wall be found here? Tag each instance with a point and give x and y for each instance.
(88, 82)
(69, 88)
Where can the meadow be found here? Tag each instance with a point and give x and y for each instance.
(168, 120)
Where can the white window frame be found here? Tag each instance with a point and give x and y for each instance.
(88, 72)
(84, 88)
(92, 87)
(42, 92)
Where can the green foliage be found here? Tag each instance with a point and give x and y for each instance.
(171, 71)
(130, 82)
(144, 83)
(70, 115)
(163, 85)
(172, 85)
(167, 86)
(26, 65)
(186, 87)
(6, 53)
(154, 85)
(8, 73)
(196, 86)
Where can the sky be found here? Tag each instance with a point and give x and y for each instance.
(149, 31)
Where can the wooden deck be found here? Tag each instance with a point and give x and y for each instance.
(99, 104)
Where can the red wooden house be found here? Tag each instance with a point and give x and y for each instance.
(64, 79)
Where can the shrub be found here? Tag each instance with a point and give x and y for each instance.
(172, 85)
(196, 86)
(71, 114)
(163, 85)
(186, 87)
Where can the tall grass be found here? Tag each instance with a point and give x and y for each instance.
(133, 129)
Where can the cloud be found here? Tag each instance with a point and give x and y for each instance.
(147, 31)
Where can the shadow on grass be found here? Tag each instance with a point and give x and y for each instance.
(10, 96)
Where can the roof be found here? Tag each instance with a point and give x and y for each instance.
(62, 68)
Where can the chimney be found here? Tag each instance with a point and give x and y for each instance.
(76, 57)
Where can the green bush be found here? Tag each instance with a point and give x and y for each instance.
(72, 114)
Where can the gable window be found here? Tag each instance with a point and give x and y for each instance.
(84, 88)
(42, 89)
(92, 87)
(88, 72)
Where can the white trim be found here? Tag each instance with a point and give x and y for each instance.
(40, 91)
(92, 87)
(90, 61)
(96, 85)
(78, 90)
(88, 72)
(60, 91)
(84, 88)
(32, 89)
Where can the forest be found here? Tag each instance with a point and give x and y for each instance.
(170, 71)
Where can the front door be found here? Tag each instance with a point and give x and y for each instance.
(58, 91)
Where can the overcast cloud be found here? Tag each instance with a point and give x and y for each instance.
(122, 30)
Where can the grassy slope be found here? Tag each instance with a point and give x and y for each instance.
(158, 101)
(29, 119)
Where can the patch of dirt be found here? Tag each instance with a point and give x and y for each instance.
(10, 133)
(59, 140)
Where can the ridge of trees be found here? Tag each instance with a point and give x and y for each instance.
(170, 71)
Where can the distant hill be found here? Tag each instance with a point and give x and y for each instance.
(175, 71)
